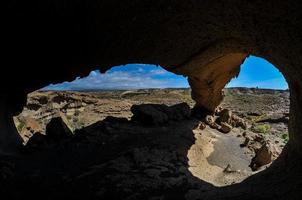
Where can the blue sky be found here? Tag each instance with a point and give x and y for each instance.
(258, 72)
(255, 72)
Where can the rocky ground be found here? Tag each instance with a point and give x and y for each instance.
(124, 145)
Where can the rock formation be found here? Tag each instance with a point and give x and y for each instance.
(263, 157)
(58, 129)
(156, 114)
(224, 120)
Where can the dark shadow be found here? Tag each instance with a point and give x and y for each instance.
(120, 159)
(111, 159)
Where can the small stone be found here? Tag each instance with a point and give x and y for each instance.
(210, 119)
(225, 128)
(228, 169)
(201, 126)
(246, 142)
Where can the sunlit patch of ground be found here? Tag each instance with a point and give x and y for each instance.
(218, 158)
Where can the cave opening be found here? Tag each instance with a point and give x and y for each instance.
(193, 37)
(87, 100)
(258, 96)
(257, 107)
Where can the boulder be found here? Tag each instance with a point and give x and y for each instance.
(179, 111)
(156, 114)
(150, 113)
(36, 142)
(263, 156)
(57, 129)
(225, 116)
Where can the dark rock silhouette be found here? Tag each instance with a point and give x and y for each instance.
(57, 129)
(160, 114)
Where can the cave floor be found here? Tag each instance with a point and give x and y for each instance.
(127, 160)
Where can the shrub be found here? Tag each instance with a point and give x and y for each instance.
(20, 126)
(256, 119)
(285, 137)
(263, 128)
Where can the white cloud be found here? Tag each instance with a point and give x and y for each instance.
(132, 79)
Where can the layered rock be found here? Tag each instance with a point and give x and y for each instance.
(210, 78)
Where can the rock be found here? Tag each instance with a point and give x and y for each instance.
(36, 142)
(179, 111)
(225, 116)
(33, 106)
(218, 110)
(238, 122)
(157, 114)
(210, 120)
(263, 157)
(57, 129)
(246, 142)
(244, 134)
(201, 126)
(150, 113)
(225, 128)
(259, 138)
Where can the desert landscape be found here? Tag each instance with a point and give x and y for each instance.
(142, 144)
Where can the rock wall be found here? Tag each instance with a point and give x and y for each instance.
(208, 81)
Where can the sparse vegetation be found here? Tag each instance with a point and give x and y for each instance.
(262, 128)
(20, 126)
(258, 118)
(285, 137)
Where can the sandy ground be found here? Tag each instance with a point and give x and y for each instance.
(213, 152)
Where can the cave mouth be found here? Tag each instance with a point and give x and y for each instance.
(204, 154)
(85, 101)
(259, 96)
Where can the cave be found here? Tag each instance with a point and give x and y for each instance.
(48, 42)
